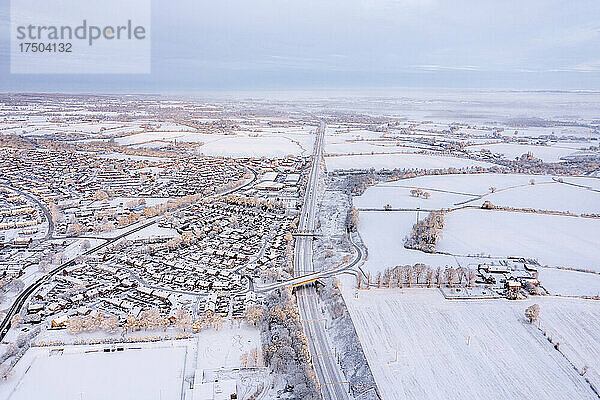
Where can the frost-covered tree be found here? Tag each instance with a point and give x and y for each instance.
(429, 274)
(253, 315)
(110, 324)
(74, 325)
(450, 276)
(352, 220)
(16, 320)
(471, 277)
(438, 277)
(183, 319)
(532, 313)
(426, 233)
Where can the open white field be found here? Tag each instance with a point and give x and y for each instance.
(132, 374)
(546, 196)
(260, 146)
(470, 184)
(240, 145)
(558, 131)
(570, 283)
(383, 233)
(549, 154)
(368, 147)
(397, 194)
(589, 182)
(573, 323)
(450, 191)
(339, 133)
(224, 348)
(168, 136)
(553, 240)
(420, 346)
(406, 161)
(153, 231)
(36, 126)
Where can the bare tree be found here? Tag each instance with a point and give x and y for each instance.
(387, 278)
(460, 274)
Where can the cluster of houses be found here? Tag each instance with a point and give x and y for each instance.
(57, 176)
(208, 261)
(229, 244)
(19, 219)
(512, 277)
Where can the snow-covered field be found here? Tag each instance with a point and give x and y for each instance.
(569, 283)
(240, 145)
(471, 184)
(420, 346)
(366, 147)
(383, 233)
(450, 191)
(165, 136)
(260, 146)
(153, 231)
(340, 133)
(593, 183)
(547, 196)
(131, 374)
(397, 194)
(511, 151)
(406, 161)
(553, 240)
(573, 323)
(224, 348)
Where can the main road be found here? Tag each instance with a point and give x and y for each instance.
(330, 377)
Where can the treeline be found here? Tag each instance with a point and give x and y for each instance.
(418, 275)
(285, 348)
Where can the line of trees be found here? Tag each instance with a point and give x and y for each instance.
(285, 348)
(418, 275)
(254, 201)
(91, 323)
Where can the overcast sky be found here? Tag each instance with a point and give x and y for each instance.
(200, 45)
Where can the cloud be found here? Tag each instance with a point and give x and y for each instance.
(447, 67)
(585, 67)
